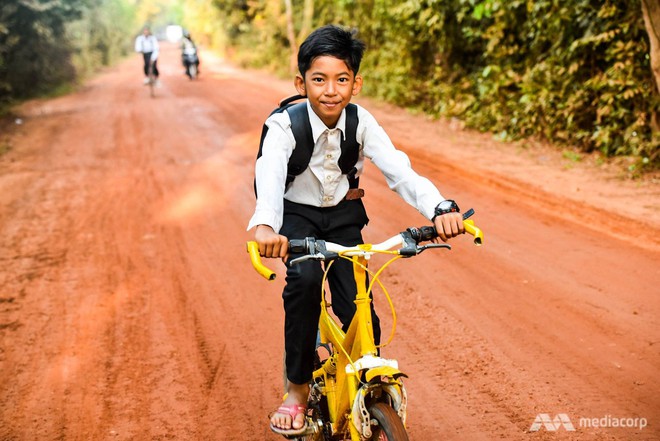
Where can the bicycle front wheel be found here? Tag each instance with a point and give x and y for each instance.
(390, 427)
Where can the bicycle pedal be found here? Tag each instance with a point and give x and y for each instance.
(312, 429)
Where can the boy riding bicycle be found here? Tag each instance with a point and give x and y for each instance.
(322, 203)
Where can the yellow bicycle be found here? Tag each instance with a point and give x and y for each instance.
(355, 394)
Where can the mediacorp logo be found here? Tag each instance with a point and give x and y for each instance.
(552, 424)
(560, 420)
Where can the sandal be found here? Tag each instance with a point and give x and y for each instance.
(292, 410)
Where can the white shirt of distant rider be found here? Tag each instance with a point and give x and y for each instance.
(146, 44)
(188, 46)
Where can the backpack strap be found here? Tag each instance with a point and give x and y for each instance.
(350, 148)
(286, 101)
(302, 132)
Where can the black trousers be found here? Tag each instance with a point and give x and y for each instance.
(147, 60)
(341, 224)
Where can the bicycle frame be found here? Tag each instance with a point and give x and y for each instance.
(354, 361)
(354, 376)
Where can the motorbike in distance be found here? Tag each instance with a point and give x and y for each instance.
(191, 62)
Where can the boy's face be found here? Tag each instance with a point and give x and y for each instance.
(329, 84)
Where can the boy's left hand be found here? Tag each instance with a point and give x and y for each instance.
(449, 225)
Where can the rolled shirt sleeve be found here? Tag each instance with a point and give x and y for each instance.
(395, 165)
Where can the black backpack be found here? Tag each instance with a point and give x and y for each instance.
(302, 132)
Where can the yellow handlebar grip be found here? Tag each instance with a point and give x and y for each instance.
(255, 258)
(473, 230)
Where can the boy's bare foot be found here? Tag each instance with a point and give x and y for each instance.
(291, 415)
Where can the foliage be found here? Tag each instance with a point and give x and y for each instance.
(33, 57)
(259, 26)
(47, 44)
(157, 14)
(102, 35)
(574, 73)
(201, 18)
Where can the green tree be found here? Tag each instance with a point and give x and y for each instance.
(35, 57)
(102, 35)
(45, 44)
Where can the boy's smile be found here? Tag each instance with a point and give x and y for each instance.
(329, 84)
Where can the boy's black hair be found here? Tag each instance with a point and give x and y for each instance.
(333, 41)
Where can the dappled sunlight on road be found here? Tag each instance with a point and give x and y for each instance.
(216, 181)
(193, 202)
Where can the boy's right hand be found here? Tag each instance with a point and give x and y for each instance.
(270, 243)
(449, 225)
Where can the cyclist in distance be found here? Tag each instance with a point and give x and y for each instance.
(147, 45)
(321, 201)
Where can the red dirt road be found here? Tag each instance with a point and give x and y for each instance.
(129, 310)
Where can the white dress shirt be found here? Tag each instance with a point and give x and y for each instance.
(322, 184)
(147, 44)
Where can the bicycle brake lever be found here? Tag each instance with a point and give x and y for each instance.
(320, 256)
(297, 260)
(433, 245)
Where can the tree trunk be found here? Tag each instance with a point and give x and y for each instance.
(308, 17)
(651, 12)
(291, 35)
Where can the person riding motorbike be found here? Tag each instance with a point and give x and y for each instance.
(189, 56)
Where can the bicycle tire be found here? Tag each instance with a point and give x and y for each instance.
(152, 80)
(390, 427)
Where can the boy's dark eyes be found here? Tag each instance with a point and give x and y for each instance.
(321, 80)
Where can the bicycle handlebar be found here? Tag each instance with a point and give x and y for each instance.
(408, 241)
(253, 250)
